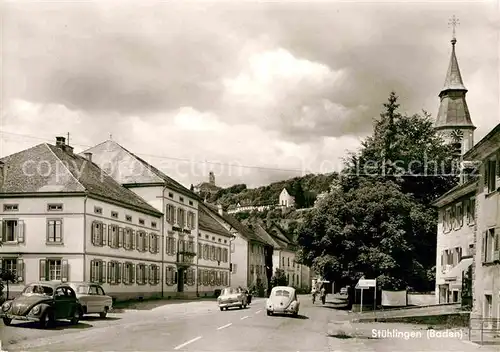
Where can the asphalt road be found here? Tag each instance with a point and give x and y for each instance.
(201, 326)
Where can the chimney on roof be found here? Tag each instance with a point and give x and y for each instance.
(219, 209)
(2, 173)
(88, 156)
(60, 141)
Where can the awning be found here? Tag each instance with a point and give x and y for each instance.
(456, 272)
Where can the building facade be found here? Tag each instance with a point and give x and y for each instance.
(251, 260)
(455, 241)
(64, 219)
(179, 228)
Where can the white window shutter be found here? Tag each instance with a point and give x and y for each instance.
(43, 270)
(483, 249)
(104, 234)
(110, 272)
(110, 235)
(64, 270)
(102, 272)
(118, 272)
(120, 237)
(20, 231)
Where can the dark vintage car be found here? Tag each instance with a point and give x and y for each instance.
(43, 302)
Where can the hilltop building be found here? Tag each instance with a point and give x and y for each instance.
(205, 189)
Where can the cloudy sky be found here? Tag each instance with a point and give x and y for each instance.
(255, 92)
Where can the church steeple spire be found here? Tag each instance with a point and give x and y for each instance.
(453, 117)
(453, 79)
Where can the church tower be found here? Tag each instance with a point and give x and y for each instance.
(453, 118)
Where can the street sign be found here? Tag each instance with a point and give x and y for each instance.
(365, 284)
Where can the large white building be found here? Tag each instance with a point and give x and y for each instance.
(486, 267)
(63, 218)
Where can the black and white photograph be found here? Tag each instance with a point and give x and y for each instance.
(250, 176)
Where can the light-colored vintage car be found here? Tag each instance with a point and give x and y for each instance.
(232, 297)
(283, 300)
(43, 302)
(92, 298)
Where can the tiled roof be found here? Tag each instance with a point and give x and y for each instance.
(280, 233)
(48, 169)
(453, 110)
(127, 168)
(208, 223)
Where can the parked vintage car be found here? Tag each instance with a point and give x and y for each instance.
(43, 302)
(92, 298)
(232, 297)
(283, 300)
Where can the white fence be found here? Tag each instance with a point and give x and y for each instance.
(402, 299)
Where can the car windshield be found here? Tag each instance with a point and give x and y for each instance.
(283, 293)
(228, 291)
(38, 290)
(82, 289)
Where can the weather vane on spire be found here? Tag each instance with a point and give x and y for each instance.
(454, 22)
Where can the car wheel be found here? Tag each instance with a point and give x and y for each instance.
(77, 314)
(221, 308)
(7, 321)
(269, 313)
(103, 314)
(46, 320)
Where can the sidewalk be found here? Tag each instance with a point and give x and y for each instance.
(120, 307)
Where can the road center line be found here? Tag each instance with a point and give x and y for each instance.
(224, 326)
(246, 316)
(257, 312)
(187, 343)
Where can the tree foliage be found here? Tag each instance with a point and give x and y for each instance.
(6, 277)
(379, 223)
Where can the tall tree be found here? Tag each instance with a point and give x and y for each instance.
(408, 151)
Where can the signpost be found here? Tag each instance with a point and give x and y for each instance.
(365, 284)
